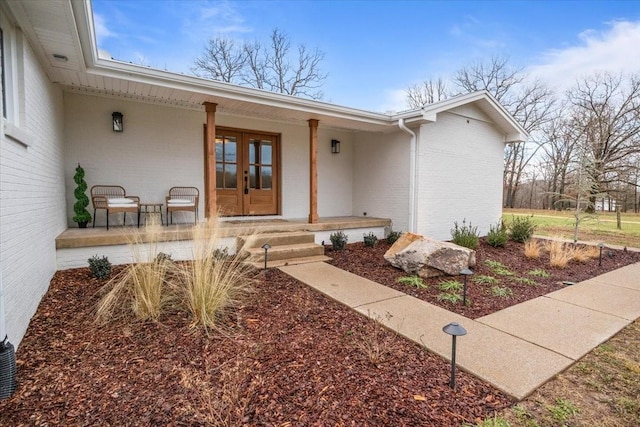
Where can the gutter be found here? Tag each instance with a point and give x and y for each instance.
(413, 160)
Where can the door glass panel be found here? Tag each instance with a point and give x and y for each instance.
(265, 153)
(230, 176)
(219, 149)
(266, 178)
(230, 153)
(254, 146)
(219, 175)
(253, 176)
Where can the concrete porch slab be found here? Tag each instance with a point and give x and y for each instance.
(513, 365)
(557, 325)
(345, 287)
(615, 300)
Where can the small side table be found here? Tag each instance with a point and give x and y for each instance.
(151, 208)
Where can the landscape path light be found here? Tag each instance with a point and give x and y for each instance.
(455, 330)
(466, 272)
(601, 246)
(266, 248)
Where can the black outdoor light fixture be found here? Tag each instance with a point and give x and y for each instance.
(466, 272)
(335, 146)
(266, 248)
(455, 330)
(601, 246)
(118, 123)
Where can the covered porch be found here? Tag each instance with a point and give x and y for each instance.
(74, 246)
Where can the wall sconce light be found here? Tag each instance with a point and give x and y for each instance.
(335, 146)
(118, 124)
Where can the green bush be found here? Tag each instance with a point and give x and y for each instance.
(465, 235)
(497, 236)
(82, 215)
(370, 240)
(521, 228)
(100, 267)
(393, 236)
(338, 240)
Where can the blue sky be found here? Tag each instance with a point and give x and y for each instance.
(374, 50)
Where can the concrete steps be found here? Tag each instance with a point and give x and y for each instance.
(287, 248)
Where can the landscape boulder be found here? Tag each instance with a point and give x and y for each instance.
(427, 257)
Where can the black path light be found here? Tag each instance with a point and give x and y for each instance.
(601, 246)
(466, 272)
(455, 330)
(266, 248)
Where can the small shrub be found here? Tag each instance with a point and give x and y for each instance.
(501, 291)
(521, 228)
(465, 235)
(499, 268)
(450, 286)
(415, 281)
(338, 240)
(538, 273)
(449, 297)
(497, 236)
(483, 279)
(370, 240)
(532, 249)
(100, 267)
(393, 236)
(162, 257)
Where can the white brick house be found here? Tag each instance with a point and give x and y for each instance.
(423, 169)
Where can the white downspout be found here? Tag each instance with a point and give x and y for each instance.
(412, 176)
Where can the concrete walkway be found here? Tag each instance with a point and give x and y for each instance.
(517, 349)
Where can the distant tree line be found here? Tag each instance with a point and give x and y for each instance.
(584, 145)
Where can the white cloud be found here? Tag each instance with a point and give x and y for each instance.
(614, 50)
(102, 32)
(395, 100)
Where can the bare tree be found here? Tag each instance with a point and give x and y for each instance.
(278, 68)
(222, 60)
(427, 92)
(607, 116)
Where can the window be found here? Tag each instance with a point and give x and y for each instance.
(13, 103)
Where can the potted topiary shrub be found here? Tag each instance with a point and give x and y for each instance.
(82, 215)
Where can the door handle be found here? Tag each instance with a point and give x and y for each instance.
(246, 181)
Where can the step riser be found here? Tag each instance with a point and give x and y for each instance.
(277, 240)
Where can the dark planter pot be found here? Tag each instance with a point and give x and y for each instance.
(83, 224)
(7, 369)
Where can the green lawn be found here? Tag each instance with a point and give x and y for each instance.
(601, 228)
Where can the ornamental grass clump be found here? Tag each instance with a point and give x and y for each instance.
(559, 254)
(140, 289)
(214, 281)
(532, 249)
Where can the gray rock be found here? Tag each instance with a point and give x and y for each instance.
(427, 257)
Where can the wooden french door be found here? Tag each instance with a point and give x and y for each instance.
(247, 172)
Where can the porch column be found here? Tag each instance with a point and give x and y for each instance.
(313, 171)
(210, 161)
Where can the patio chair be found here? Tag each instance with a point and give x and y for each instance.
(182, 199)
(114, 199)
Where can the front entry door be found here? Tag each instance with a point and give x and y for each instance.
(247, 179)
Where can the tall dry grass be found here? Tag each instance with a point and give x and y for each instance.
(560, 254)
(140, 289)
(532, 249)
(206, 287)
(214, 281)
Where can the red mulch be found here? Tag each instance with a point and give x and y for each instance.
(369, 262)
(288, 357)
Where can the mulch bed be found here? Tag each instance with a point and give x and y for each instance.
(369, 262)
(288, 357)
